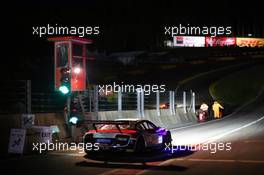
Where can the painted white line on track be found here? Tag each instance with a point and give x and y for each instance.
(226, 117)
(214, 138)
(110, 172)
(67, 154)
(254, 141)
(226, 160)
(210, 139)
(163, 163)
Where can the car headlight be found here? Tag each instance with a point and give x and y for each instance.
(160, 139)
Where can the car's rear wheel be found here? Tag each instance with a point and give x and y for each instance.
(140, 146)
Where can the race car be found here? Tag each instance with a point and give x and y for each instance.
(135, 135)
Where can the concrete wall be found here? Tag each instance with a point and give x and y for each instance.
(164, 120)
(9, 121)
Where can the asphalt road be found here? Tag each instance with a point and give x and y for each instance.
(243, 132)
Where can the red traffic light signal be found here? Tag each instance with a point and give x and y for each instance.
(78, 81)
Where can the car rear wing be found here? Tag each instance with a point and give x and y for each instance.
(96, 122)
(103, 122)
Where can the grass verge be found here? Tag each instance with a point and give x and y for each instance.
(239, 87)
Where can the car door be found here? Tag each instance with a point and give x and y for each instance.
(156, 138)
(149, 134)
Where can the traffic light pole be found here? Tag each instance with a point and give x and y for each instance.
(70, 128)
(28, 96)
(67, 117)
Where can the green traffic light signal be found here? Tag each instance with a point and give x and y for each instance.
(64, 89)
(74, 120)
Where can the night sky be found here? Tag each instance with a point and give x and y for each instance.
(124, 25)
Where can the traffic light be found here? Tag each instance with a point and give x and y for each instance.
(65, 80)
(74, 113)
(70, 63)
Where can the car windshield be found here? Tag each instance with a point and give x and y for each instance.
(112, 126)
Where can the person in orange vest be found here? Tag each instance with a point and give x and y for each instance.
(216, 108)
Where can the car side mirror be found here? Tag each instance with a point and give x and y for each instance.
(160, 130)
(157, 129)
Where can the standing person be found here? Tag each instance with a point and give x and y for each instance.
(216, 108)
(204, 107)
(203, 112)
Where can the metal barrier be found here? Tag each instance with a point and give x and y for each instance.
(139, 101)
(91, 101)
